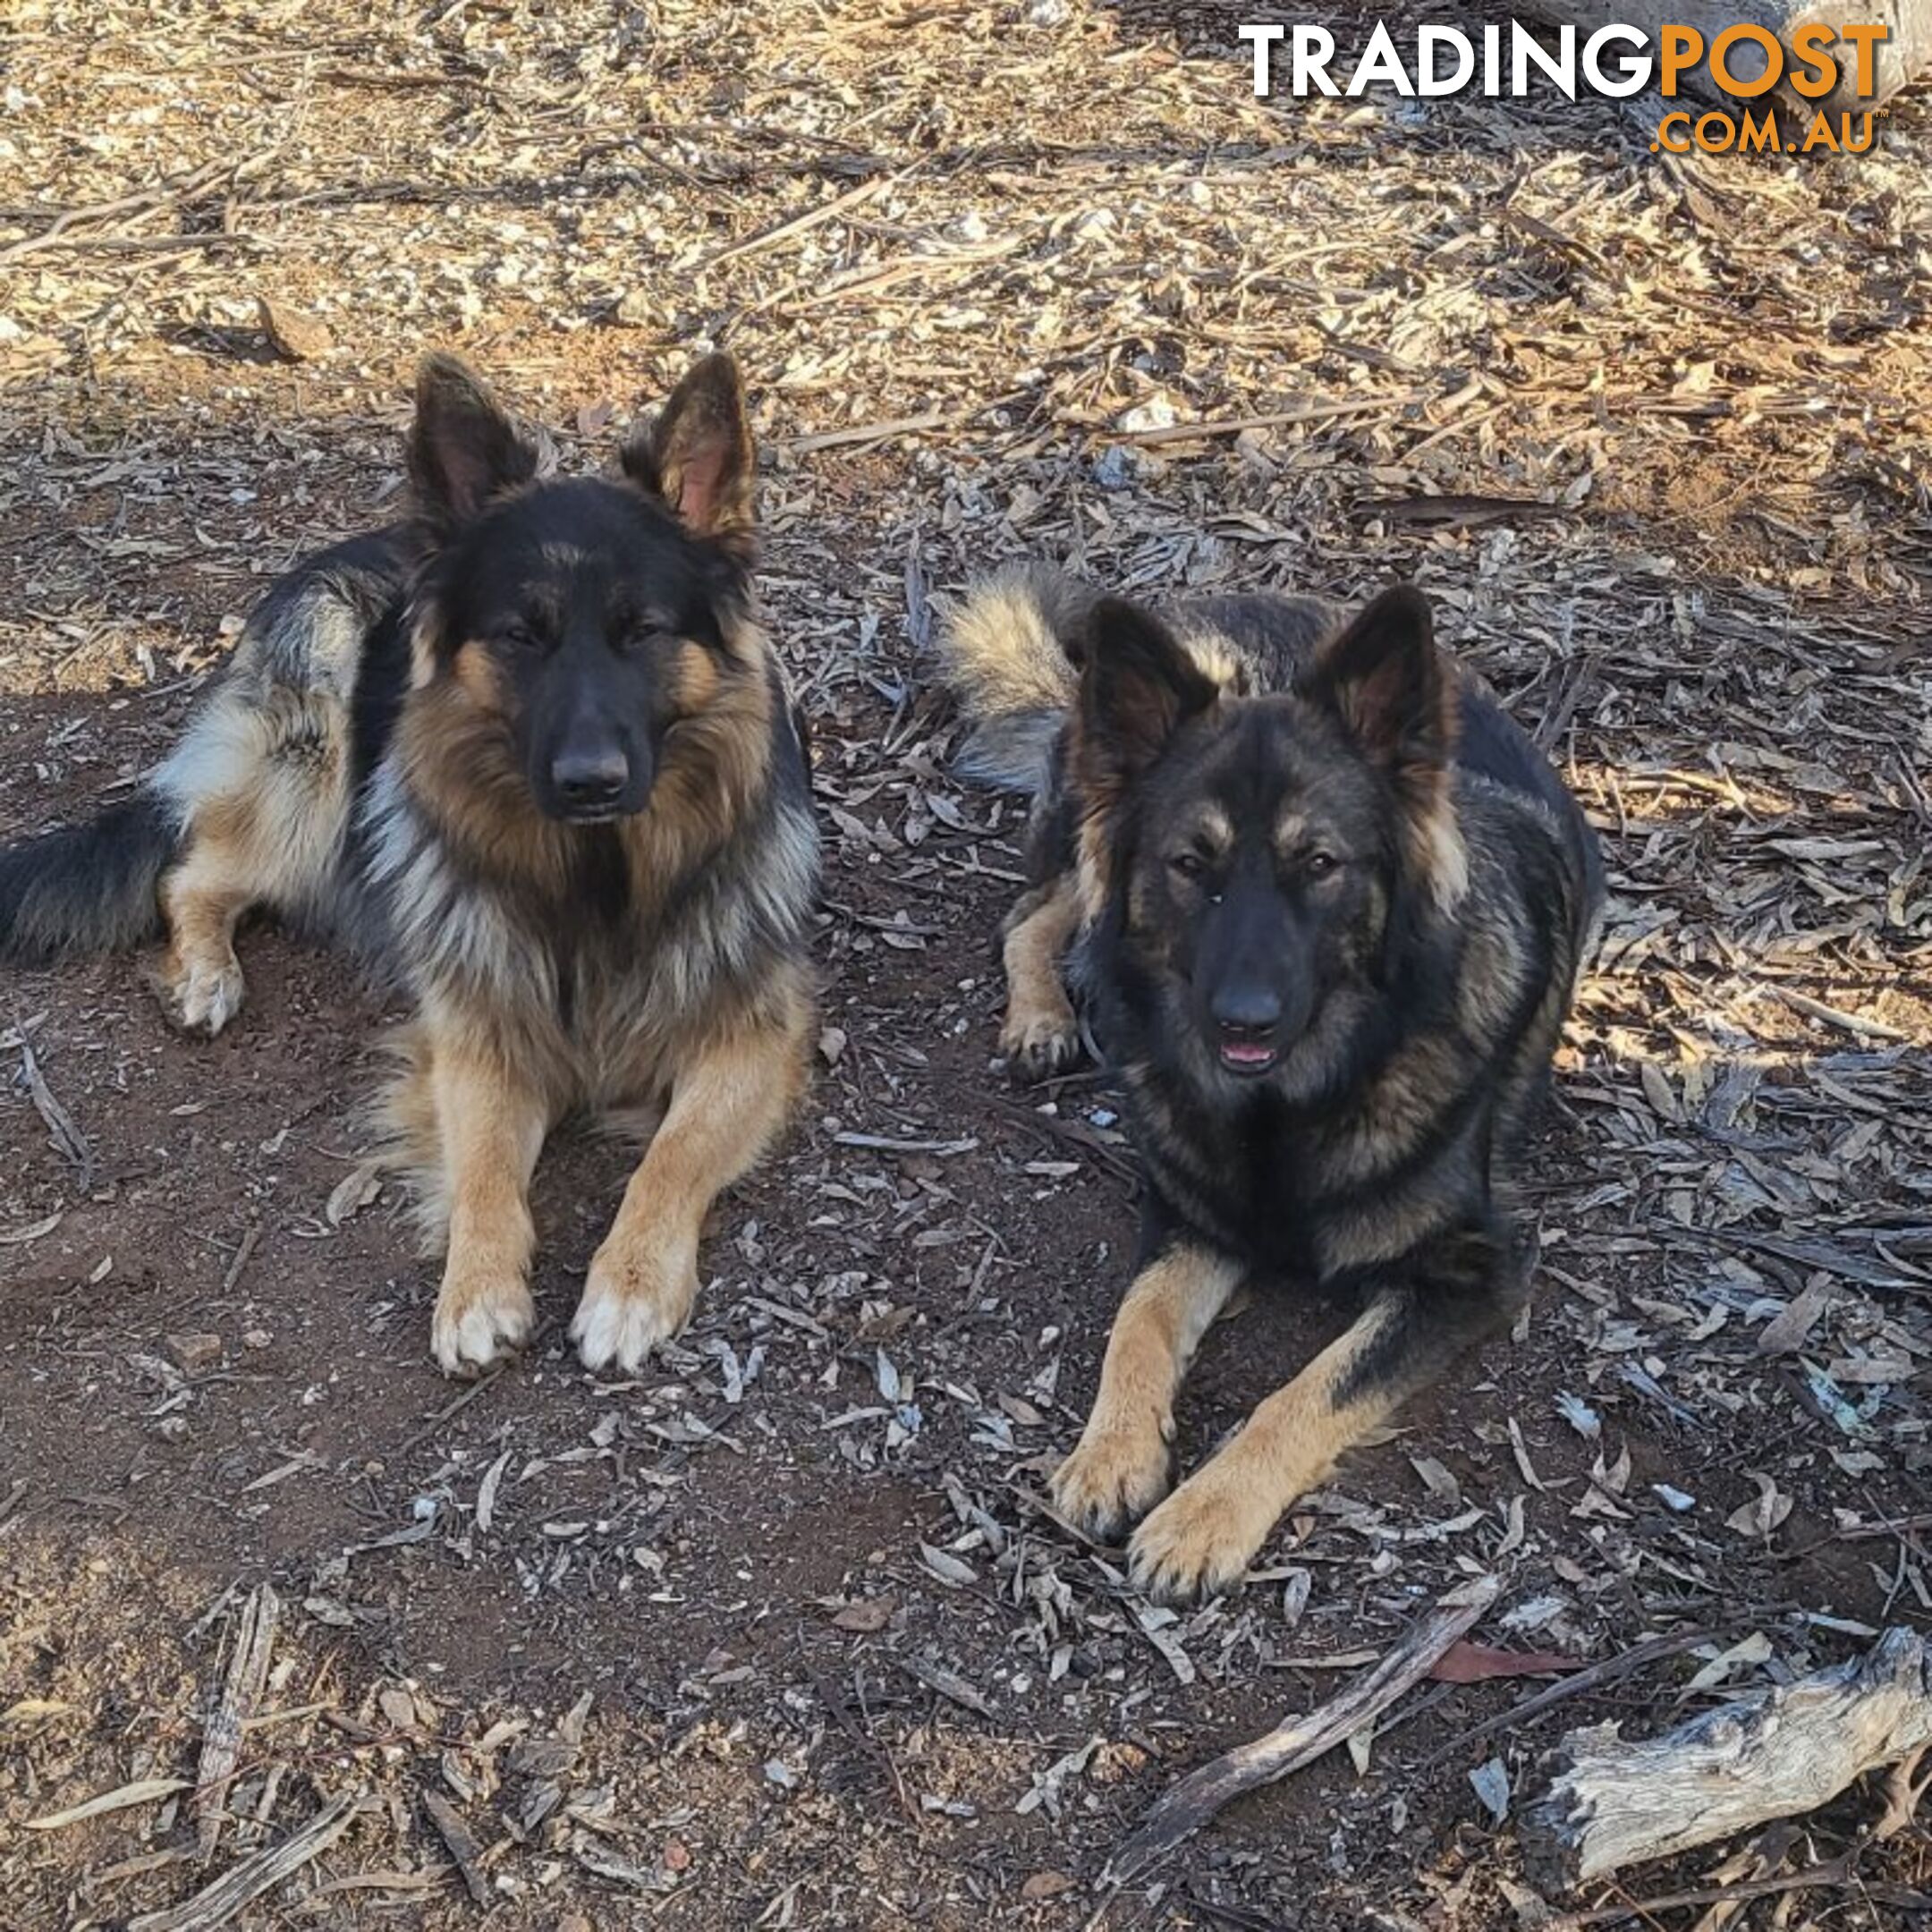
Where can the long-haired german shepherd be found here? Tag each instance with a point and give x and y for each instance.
(1331, 905)
(533, 746)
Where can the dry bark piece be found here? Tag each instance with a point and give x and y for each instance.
(1616, 1803)
(1046, 1885)
(291, 331)
(866, 1617)
(142, 1791)
(460, 1841)
(221, 1743)
(193, 1354)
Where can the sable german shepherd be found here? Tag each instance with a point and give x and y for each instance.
(532, 749)
(1330, 906)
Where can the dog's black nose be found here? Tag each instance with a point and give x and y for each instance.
(590, 779)
(1246, 1012)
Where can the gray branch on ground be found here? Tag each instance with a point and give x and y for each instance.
(1617, 1801)
(1299, 1740)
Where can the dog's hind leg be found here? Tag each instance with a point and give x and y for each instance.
(261, 788)
(202, 899)
(727, 1105)
(1124, 1464)
(1200, 1540)
(1040, 1036)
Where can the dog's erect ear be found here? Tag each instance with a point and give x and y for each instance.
(1386, 680)
(698, 455)
(1395, 694)
(463, 448)
(1139, 687)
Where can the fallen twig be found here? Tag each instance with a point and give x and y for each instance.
(67, 1137)
(863, 1738)
(1519, 1714)
(1299, 1740)
(244, 1249)
(221, 1743)
(143, 201)
(888, 1144)
(216, 1904)
(1836, 1016)
(812, 219)
(1835, 1871)
(142, 1791)
(1191, 432)
(1760, 1858)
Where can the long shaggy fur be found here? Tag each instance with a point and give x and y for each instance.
(707, 901)
(532, 752)
(264, 769)
(1329, 905)
(1010, 653)
(87, 889)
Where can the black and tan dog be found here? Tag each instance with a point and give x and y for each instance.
(1329, 905)
(533, 749)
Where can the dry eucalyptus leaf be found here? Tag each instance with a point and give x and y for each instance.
(1765, 1512)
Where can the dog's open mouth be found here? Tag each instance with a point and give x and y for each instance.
(1248, 1057)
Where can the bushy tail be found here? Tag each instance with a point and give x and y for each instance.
(87, 888)
(1011, 652)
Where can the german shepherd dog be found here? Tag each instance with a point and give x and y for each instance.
(1330, 906)
(534, 751)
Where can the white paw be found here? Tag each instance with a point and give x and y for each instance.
(629, 1306)
(474, 1331)
(205, 996)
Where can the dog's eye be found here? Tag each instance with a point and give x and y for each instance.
(521, 636)
(1321, 865)
(1190, 865)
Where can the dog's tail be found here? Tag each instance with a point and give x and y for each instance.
(92, 887)
(1013, 653)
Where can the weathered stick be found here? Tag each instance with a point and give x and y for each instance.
(1299, 1740)
(221, 1743)
(216, 1904)
(1772, 1755)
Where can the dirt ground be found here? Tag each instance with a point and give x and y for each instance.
(778, 1634)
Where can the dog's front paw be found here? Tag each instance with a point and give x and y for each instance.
(201, 995)
(1200, 1542)
(1040, 1042)
(637, 1294)
(1114, 1476)
(479, 1321)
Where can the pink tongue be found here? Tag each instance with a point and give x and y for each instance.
(1248, 1056)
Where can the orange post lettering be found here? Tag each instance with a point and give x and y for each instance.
(1683, 47)
(1814, 74)
(1761, 37)
(1866, 40)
